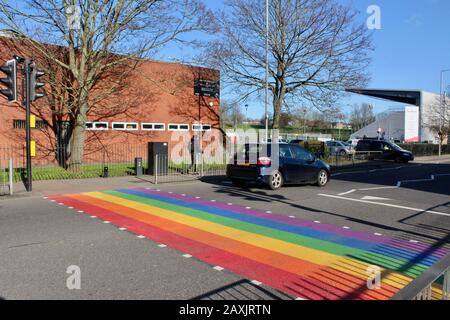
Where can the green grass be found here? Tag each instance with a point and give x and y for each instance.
(59, 173)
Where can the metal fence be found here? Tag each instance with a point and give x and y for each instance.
(170, 169)
(352, 159)
(6, 177)
(427, 286)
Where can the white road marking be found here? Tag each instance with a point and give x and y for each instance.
(346, 228)
(318, 222)
(248, 208)
(187, 256)
(386, 205)
(141, 237)
(413, 241)
(256, 282)
(432, 178)
(93, 217)
(162, 246)
(70, 207)
(375, 198)
(106, 222)
(378, 234)
(300, 299)
(80, 211)
(377, 188)
(348, 192)
(218, 268)
(122, 229)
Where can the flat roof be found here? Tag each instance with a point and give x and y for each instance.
(411, 97)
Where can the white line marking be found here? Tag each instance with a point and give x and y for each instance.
(218, 268)
(375, 198)
(377, 188)
(348, 192)
(45, 198)
(141, 237)
(122, 229)
(256, 282)
(70, 208)
(162, 246)
(80, 211)
(300, 299)
(106, 222)
(230, 204)
(413, 241)
(187, 256)
(197, 197)
(378, 234)
(248, 208)
(268, 211)
(93, 217)
(346, 228)
(386, 205)
(318, 222)
(52, 200)
(213, 200)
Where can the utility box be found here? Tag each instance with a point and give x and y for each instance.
(138, 167)
(158, 158)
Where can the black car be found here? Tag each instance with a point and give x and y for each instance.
(383, 150)
(295, 165)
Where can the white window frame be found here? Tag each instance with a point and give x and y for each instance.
(125, 126)
(202, 127)
(153, 126)
(94, 126)
(178, 126)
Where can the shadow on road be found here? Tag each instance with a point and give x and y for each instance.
(242, 290)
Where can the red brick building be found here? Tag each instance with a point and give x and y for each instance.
(158, 101)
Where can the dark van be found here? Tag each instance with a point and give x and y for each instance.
(383, 150)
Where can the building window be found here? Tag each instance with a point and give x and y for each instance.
(153, 126)
(22, 124)
(125, 126)
(97, 126)
(201, 127)
(178, 127)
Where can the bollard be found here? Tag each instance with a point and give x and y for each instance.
(11, 191)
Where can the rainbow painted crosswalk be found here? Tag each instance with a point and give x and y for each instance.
(303, 258)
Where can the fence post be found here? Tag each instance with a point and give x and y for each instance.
(11, 191)
(156, 169)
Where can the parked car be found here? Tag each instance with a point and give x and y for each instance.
(295, 166)
(384, 150)
(338, 148)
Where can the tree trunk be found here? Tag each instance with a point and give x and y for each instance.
(77, 143)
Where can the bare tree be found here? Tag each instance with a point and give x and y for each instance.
(316, 49)
(438, 117)
(93, 46)
(361, 116)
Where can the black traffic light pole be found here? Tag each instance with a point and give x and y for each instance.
(27, 102)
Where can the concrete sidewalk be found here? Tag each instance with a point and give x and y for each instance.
(53, 187)
(433, 159)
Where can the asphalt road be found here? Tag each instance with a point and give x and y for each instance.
(39, 240)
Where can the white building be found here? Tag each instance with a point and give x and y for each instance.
(410, 123)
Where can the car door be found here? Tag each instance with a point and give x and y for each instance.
(288, 163)
(388, 152)
(306, 169)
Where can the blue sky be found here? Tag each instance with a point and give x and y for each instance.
(411, 48)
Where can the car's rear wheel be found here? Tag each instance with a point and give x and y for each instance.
(322, 178)
(342, 153)
(276, 180)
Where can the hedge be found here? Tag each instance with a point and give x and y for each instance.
(424, 149)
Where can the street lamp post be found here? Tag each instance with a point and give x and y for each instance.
(267, 73)
(442, 110)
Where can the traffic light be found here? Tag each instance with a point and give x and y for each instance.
(35, 84)
(10, 70)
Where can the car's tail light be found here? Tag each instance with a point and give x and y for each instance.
(264, 161)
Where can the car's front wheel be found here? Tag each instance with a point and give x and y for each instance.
(276, 180)
(322, 178)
